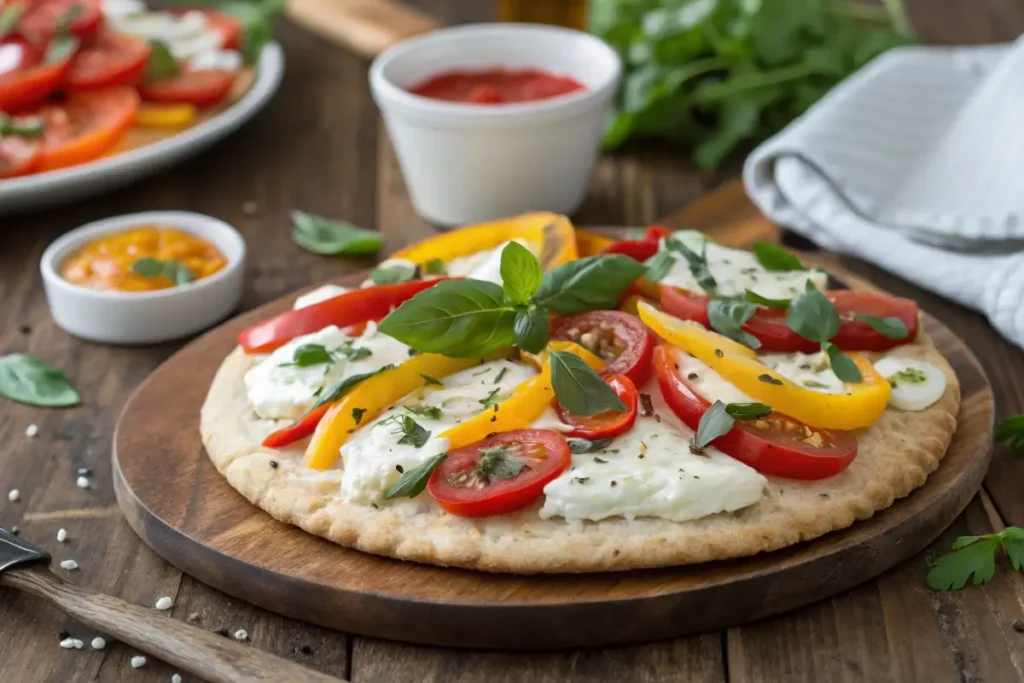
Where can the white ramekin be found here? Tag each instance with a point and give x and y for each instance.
(145, 317)
(467, 163)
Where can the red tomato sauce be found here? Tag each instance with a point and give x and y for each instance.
(496, 86)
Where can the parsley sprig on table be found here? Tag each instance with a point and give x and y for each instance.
(974, 559)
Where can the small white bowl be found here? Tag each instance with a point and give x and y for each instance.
(468, 163)
(145, 317)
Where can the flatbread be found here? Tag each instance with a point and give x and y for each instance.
(895, 456)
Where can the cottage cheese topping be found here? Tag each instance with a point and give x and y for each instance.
(319, 294)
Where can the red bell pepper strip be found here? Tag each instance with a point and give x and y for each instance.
(305, 426)
(357, 306)
(643, 248)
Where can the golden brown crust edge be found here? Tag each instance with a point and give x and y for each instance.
(896, 456)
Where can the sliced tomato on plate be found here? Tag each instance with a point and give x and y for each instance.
(228, 26)
(608, 424)
(43, 18)
(775, 445)
(32, 80)
(18, 156)
(769, 325)
(643, 248)
(111, 59)
(85, 126)
(202, 88)
(620, 339)
(500, 474)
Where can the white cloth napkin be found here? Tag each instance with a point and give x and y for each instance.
(916, 164)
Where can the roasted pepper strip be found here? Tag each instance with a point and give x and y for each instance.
(352, 308)
(371, 397)
(550, 236)
(165, 115)
(862, 404)
(529, 400)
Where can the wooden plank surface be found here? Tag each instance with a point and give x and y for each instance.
(317, 147)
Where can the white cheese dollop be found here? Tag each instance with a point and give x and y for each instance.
(650, 472)
(736, 270)
(483, 265)
(11, 56)
(319, 294)
(278, 389)
(809, 370)
(916, 384)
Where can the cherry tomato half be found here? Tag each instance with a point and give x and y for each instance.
(86, 125)
(775, 445)
(608, 424)
(32, 80)
(18, 156)
(202, 88)
(42, 18)
(112, 59)
(467, 482)
(620, 339)
(769, 325)
(643, 248)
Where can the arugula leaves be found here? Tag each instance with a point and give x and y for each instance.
(414, 481)
(26, 379)
(331, 237)
(177, 273)
(974, 559)
(578, 388)
(718, 420)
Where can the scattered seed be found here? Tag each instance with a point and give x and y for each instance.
(69, 565)
(62, 536)
(15, 531)
(31, 431)
(164, 603)
(249, 208)
(98, 643)
(241, 635)
(1018, 625)
(84, 472)
(306, 650)
(138, 661)
(14, 495)
(692, 376)
(68, 643)
(194, 617)
(222, 632)
(78, 645)
(273, 464)
(82, 482)
(25, 329)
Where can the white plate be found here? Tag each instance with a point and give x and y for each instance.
(46, 190)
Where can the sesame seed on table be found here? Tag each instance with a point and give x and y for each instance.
(320, 146)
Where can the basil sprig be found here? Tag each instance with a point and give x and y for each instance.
(257, 18)
(413, 433)
(333, 237)
(499, 463)
(578, 388)
(307, 355)
(719, 419)
(161, 64)
(774, 258)
(814, 317)
(414, 481)
(177, 273)
(727, 316)
(755, 298)
(657, 266)
(26, 379)
(891, 327)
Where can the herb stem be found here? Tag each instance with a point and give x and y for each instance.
(714, 92)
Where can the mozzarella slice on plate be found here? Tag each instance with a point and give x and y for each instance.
(916, 384)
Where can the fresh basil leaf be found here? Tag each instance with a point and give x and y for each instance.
(414, 481)
(435, 266)
(458, 318)
(333, 237)
(162, 64)
(148, 267)
(842, 365)
(26, 379)
(890, 327)
(532, 329)
(61, 48)
(335, 392)
(747, 411)
(698, 264)
(577, 445)
(394, 274)
(715, 422)
(755, 298)
(177, 273)
(812, 315)
(9, 17)
(257, 19)
(428, 412)
(727, 317)
(657, 266)
(499, 463)
(520, 272)
(354, 353)
(431, 380)
(413, 433)
(586, 284)
(307, 355)
(1012, 430)
(578, 388)
(776, 259)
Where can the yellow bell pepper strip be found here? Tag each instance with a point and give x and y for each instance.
(528, 401)
(549, 235)
(371, 397)
(590, 243)
(862, 404)
(166, 115)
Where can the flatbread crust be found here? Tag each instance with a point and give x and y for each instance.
(895, 456)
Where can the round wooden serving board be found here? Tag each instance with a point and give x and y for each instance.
(183, 508)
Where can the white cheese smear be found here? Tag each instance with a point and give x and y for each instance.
(319, 294)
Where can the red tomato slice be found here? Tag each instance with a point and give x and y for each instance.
(643, 248)
(112, 59)
(769, 325)
(351, 308)
(620, 339)
(228, 26)
(32, 80)
(203, 88)
(611, 423)
(40, 21)
(18, 156)
(461, 488)
(776, 445)
(86, 125)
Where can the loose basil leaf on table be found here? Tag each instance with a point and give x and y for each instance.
(776, 259)
(587, 284)
(578, 388)
(521, 273)
(331, 237)
(728, 317)
(414, 481)
(26, 379)
(532, 329)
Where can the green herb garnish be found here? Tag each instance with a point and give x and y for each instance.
(413, 434)
(728, 316)
(578, 445)
(177, 273)
(891, 327)
(333, 237)
(755, 298)
(521, 273)
(974, 559)
(1012, 430)
(395, 274)
(718, 420)
(434, 266)
(498, 463)
(428, 412)
(431, 380)
(774, 258)
(161, 64)
(414, 481)
(26, 379)
(578, 388)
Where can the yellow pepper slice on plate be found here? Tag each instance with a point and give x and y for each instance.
(372, 396)
(529, 400)
(861, 406)
(166, 115)
(590, 243)
(549, 235)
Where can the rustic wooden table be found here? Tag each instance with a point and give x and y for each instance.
(320, 147)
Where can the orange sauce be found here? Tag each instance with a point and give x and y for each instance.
(106, 263)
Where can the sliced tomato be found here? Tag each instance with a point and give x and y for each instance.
(42, 18)
(29, 83)
(228, 26)
(351, 308)
(18, 156)
(202, 88)
(620, 339)
(643, 248)
(112, 59)
(462, 487)
(85, 126)
(769, 325)
(608, 424)
(776, 445)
